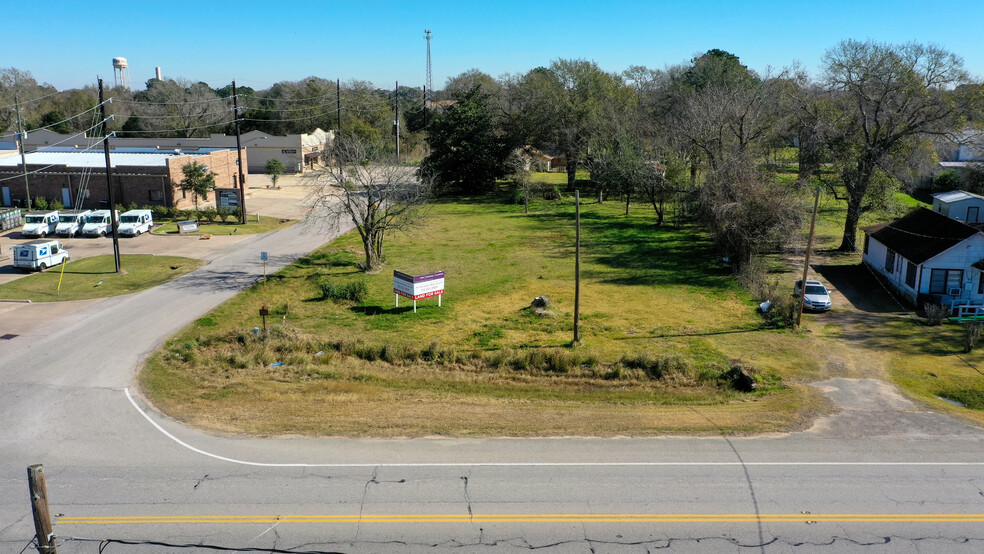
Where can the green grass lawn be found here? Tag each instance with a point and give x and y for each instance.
(95, 277)
(252, 227)
(662, 323)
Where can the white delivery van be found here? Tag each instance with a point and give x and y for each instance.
(70, 222)
(98, 224)
(134, 222)
(39, 255)
(40, 224)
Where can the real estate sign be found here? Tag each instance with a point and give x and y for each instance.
(420, 286)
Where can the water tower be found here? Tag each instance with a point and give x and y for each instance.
(121, 73)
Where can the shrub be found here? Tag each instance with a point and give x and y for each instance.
(782, 312)
(432, 352)
(656, 367)
(208, 213)
(972, 332)
(753, 278)
(228, 214)
(159, 213)
(935, 313)
(41, 203)
(355, 291)
(516, 195)
(56, 205)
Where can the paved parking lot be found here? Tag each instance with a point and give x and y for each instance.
(287, 202)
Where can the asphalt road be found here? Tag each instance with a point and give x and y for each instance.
(882, 476)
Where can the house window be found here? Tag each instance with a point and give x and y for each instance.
(910, 275)
(890, 261)
(866, 243)
(942, 280)
(156, 195)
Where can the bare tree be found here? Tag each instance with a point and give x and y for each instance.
(180, 109)
(519, 164)
(747, 211)
(368, 189)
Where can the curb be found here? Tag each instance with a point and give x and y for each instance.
(14, 300)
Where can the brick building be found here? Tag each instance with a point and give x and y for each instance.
(142, 178)
(297, 152)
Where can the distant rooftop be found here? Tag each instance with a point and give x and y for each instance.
(93, 159)
(956, 196)
(134, 149)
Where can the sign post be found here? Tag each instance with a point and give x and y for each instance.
(263, 256)
(418, 287)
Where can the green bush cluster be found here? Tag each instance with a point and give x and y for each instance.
(356, 291)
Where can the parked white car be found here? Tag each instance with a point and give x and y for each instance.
(40, 224)
(134, 222)
(817, 296)
(39, 255)
(70, 222)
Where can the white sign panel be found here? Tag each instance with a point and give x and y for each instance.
(420, 286)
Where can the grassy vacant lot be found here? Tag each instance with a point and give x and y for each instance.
(252, 227)
(95, 277)
(663, 328)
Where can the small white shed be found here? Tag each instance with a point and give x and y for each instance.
(960, 205)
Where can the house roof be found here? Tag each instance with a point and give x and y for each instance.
(956, 196)
(921, 235)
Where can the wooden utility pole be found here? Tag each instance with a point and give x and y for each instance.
(396, 122)
(239, 153)
(109, 182)
(39, 507)
(806, 264)
(338, 131)
(577, 265)
(21, 135)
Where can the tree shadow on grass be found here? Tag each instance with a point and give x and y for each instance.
(380, 310)
(736, 330)
(647, 254)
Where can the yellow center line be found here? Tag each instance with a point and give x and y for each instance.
(526, 518)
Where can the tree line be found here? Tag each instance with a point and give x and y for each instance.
(712, 132)
(709, 132)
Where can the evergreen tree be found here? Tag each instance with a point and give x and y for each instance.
(467, 151)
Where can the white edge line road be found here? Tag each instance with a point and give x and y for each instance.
(528, 464)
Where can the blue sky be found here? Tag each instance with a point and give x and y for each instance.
(69, 43)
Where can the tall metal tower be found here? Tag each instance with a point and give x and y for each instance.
(429, 82)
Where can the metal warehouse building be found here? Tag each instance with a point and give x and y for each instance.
(78, 179)
(297, 152)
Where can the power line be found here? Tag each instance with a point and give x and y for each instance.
(35, 99)
(144, 102)
(39, 170)
(58, 123)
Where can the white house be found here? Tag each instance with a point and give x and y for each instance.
(960, 205)
(926, 255)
